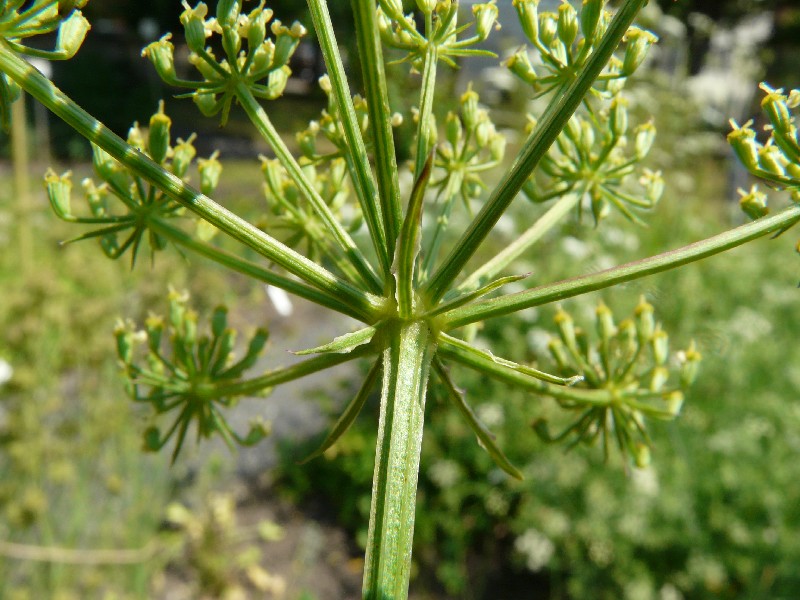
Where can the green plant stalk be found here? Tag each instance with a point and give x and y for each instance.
(363, 179)
(19, 158)
(370, 54)
(41, 88)
(583, 284)
(258, 385)
(555, 117)
(406, 366)
(521, 244)
(265, 127)
(240, 265)
(427, 94)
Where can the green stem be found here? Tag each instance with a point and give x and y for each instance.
(522, 243)
(363, 180)
(427, 94)
(627, 272)
(406, 366)
(41, 88)
(265, 127)
(547, 130)
(370, 54)
(255, 271)
(286, 374)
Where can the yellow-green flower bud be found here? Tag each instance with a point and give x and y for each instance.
(453, 129)
(71, 34)
(559, 354)
(469, 108)
(210, 171)
(231, 43)
(227, 11)
(484, 131)
(59, 191)
(206, 102)
(548, 28)
(618, 118)
(659, 379)
(742, 140)
(219, 321)
(520, 65)
(162, 54)
(641, 455)
(286, 40)
(775, 105)
(660, 343)
(193, 21)
(587, 135)
(307, 140)
(426, 6)
(135, 137)
(654, 185)
(262, 58)
(497, 147)
(257, 27)
(645, 321)
(567, 24)
(96, 197)
(566, 328)
(393, 8)
(527, 10)
(674, 402)
(639, 42)
(182, 156)
(154, 327)
(159, 135)
(605, 322)
(590, 17)
(753, 203)
(125, 341)
(276, 82)
(645, 136)
(187, 331)
(690, 364)
(771, 160)
(485, 18)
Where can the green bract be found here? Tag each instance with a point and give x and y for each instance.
(416, 285)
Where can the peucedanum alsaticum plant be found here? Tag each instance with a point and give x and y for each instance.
(414, 289)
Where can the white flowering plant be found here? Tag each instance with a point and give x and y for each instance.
(413, 286)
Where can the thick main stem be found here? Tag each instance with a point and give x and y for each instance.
(406, 365)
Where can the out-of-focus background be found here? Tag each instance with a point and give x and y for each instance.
(84, 513)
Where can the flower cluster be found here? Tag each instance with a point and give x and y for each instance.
(471, 146)
(592, 158)
(400, 31)
(194, 379)
(778, 160)
(144, 205)
(22, 20)
(630, 364)
(293, 220)
(252, 58)
(565, 40)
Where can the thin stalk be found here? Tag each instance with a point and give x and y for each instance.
(522, 243)
(22, 188)
(633, 270)
(427, 94)
(547, 130)
(363, 179)
(406, 366)
(41, 88)
(370, 54)
(286, 374)
(265, 127)
(240, 265)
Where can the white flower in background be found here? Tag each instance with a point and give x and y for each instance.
(575, 248)
(491, 415)
(536, 548)
(6, 372)
(445, 473)
(280, 300)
